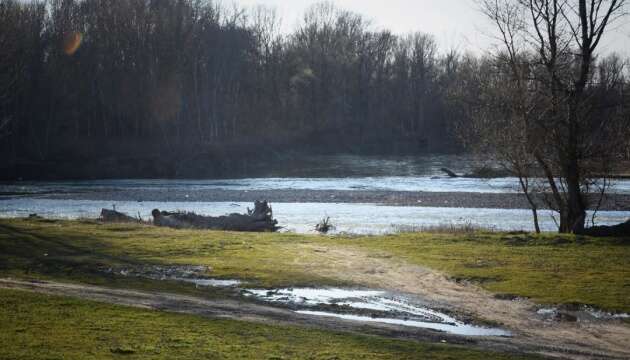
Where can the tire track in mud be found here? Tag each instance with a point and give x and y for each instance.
(240, 309)
(246, 310)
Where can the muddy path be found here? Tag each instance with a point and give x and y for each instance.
(247, 310)
(555, 337)
(525, 340)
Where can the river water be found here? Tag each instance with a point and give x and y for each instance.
(346, 173)
(302, 217)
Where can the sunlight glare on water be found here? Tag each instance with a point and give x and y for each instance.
(302, 217)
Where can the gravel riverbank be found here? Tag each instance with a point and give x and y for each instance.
(613, 202)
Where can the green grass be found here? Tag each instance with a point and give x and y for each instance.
(73, 249)
(547, 268)
(36, 326)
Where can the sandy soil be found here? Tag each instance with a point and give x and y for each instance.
(618, 202)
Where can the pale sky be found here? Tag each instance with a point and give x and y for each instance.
(456, 24)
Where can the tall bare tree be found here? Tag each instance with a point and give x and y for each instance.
(550, 48)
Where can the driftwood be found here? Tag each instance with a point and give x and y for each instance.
(620, 230)
(116, 216)
(449, 172)
(324, 226)
(480, 172)
(260, 219)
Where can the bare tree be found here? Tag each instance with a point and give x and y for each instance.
(550, 48)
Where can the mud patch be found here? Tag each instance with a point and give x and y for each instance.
(578, 313)
(361, 305)
(194, 274)
(370, 306)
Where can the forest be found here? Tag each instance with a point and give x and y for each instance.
(189, 88)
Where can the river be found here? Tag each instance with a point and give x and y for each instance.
(352, 174)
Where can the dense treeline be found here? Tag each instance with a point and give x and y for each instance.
(169, 83)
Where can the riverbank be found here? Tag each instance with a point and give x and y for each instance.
(509, 280)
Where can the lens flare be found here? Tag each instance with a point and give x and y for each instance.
(72, 42)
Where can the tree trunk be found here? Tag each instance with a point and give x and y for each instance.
(525, 187)
(575, 216)
(536, 222)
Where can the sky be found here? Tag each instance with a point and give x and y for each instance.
(456, 24)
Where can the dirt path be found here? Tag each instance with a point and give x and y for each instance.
(245, 310)
(558, 338)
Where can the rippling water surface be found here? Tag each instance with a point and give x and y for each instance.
(302, 217)
(418, 173)
(351, 173)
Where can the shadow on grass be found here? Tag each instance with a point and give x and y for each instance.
(29, 254)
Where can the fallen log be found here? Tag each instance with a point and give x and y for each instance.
(484, 172)
(260, 219)
(620, 230)
(116, 216)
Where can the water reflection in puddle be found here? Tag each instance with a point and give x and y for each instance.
(348, 304)
(313, 296)
(210, 282)
(370, 306)
(457, 329)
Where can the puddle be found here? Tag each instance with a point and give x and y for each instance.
(457, 329)
(583, 313)
(370, 306)
(349, 304)
(191, 274)
(210, 282)
(364, 305)
(312, 296)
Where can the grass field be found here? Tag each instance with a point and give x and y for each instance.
(548, 269)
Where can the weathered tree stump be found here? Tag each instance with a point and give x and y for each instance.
(260, 219)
